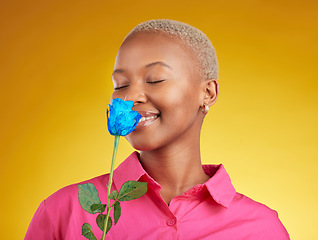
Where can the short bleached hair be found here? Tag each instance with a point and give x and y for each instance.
(192, 38)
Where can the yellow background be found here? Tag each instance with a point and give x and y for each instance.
(55, 69)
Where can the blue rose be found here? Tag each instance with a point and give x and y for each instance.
(122, 120)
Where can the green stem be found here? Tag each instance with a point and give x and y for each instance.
(110, 183)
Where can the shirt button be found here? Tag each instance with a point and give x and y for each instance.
(171, 222)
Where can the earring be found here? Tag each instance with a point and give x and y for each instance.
(206, 108)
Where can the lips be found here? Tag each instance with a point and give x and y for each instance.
(147, 119)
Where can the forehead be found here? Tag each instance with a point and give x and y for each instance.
(146, 47)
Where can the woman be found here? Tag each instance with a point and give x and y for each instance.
(169, 70)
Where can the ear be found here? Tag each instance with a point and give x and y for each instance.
(211, 91)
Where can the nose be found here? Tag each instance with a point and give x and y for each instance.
(136, 93)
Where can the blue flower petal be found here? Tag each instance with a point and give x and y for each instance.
(121, 119)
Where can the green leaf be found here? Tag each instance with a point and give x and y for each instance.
(113, 195)
(131, 190)
(87, 196)
(100, 220)
(117, 211)
(98, 208)
(87, 232)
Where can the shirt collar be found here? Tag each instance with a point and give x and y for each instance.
(219, 185)
(129, 170)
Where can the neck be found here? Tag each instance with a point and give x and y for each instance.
(176, 167)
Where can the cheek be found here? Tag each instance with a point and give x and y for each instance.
(113, 96)
(116, 94)
(179, 102)
(184, 96)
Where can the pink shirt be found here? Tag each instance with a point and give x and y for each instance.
(213, 210)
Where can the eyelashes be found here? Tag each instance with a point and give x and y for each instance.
(150, 82)
(118, 88)
(159, 81)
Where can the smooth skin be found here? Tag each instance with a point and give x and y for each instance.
(161, 76)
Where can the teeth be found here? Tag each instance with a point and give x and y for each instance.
(147, 118)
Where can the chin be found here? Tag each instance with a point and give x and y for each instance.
(143, 145)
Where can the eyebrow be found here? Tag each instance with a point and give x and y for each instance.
(147, 66)
(158, 63)
(117, 71)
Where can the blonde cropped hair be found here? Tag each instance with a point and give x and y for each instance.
(194, 39)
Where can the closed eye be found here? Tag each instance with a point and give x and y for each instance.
(152, 82)
(118, 88)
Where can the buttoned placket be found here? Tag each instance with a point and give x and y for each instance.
(177, 207)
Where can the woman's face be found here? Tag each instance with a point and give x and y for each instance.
(160, 76)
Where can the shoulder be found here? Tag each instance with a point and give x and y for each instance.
(68, 195)
(264, 221)
(58, 212)
(251, 205)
